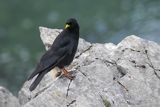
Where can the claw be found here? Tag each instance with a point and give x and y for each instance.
(66, 74)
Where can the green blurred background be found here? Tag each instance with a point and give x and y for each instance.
(100, 21)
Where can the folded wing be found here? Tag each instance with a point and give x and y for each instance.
(52, 57)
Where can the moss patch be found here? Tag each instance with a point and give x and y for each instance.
(106, 103)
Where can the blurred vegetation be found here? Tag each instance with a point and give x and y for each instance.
(100, 21)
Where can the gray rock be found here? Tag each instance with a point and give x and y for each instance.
(123, 75)
(7, 99)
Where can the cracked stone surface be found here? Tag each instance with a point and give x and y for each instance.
(123, 75)
(7, 99)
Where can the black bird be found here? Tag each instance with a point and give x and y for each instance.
(60, 54)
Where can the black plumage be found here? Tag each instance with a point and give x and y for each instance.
(60, 54)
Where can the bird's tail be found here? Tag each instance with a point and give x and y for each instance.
(37, 80)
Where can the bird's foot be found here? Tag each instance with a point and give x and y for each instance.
(67, 74)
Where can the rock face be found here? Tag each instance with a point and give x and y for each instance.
(7, 99)
(107, 75)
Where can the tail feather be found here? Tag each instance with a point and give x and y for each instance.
(39, 71)
(36, 71)
(37, 80)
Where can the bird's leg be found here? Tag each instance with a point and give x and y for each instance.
(66, 74)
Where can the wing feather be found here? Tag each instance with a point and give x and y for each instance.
(52, 57)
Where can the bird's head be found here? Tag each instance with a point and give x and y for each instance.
(72, 25)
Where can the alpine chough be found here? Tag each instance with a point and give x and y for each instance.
(60, 54)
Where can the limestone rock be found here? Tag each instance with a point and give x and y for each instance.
(7, 99)
(107, 75)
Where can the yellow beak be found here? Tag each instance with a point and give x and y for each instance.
(67, 26)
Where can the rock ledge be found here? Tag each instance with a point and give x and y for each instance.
(123, 75)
